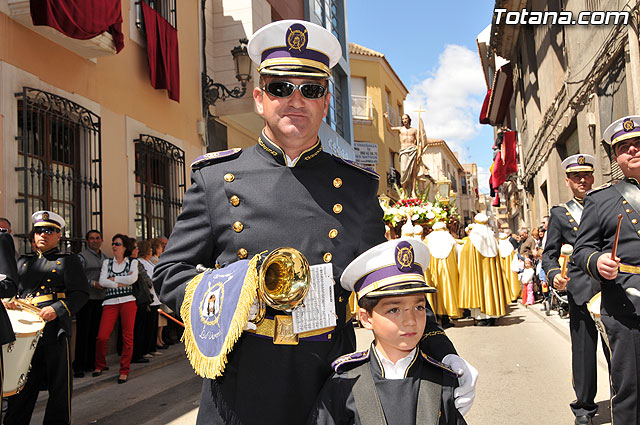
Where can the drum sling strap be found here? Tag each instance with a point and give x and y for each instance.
(575, 209)
(630, 192)
(369, 405)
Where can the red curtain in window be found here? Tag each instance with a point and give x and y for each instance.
(509, 149)
(162, 52)
(80, 19)
(484, 112)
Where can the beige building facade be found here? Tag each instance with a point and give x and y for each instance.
(84, 133)
(375, 90)
(569, 83)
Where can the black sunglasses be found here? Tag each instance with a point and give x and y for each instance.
(47, 230)
(116, 243)
(286, 89)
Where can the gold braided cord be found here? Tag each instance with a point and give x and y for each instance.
(212, 367)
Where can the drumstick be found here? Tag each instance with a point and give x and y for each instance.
(615, 241)
(171, 317)
(566, 250)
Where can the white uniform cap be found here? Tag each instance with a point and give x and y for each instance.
(578, 162)
(622, 129)
(392, 268)
(439, 226)
(481, 218)
(294, 48)
(47, 219)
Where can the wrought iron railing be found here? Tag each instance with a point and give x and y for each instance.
(165, 8)
(160, 186)
(59, 145)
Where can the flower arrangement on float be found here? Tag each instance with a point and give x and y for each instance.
(421, 211)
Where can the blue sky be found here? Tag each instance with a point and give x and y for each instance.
(431, 46)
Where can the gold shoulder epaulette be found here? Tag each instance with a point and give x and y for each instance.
(213, 157)
(357, 166)
(596, 189)
(351, 358)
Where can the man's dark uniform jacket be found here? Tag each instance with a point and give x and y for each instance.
(242, 203)
(620, 300)
(8, 286)
(563, 229)
(339, 400)
(564, 223)
(60, 275)
(58, 280)
(596, 235)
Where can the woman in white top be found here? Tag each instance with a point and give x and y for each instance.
(117, 276)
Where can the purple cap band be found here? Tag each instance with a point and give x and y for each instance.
(623, 132)
(384, 273)
(284, 52)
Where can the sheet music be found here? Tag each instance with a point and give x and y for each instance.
(319, 309)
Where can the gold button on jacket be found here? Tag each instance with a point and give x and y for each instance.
(238, 226)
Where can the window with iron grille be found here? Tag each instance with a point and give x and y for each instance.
(60, 165)
(166, 8)
(160, 186)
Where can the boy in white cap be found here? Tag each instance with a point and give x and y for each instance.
(393, 382)
(619, 276)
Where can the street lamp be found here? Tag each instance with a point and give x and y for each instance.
(212, 92)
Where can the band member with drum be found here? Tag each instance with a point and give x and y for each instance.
(283, 192)
(619, 276)
(54, 282)
(564, 223)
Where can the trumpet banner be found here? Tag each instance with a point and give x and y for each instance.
(215, 311)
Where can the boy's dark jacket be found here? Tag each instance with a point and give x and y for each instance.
(399, 397)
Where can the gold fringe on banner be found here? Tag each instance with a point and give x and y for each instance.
(212, 367)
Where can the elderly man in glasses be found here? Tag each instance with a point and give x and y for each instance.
(285, 191)
(54, 282)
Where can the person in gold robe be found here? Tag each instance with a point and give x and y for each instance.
(442, 273)
(482, 285)
(506, 251)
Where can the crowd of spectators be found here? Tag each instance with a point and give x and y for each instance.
(121, 291)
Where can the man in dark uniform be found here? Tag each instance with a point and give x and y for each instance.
(54, 282)
(619, 277)
(563, 229)
(284, 191)
(8, 288)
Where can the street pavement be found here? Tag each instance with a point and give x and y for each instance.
(524, 365)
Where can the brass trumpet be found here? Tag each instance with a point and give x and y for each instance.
(284, 279)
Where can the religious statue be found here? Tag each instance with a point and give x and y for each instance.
(408, 152)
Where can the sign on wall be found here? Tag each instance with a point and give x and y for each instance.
(366, 153)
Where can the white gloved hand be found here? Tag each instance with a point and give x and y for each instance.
(253, 312)
(467, 378)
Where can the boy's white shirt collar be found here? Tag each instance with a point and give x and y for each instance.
(398, 370)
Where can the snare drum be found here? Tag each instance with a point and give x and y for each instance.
(17, 355)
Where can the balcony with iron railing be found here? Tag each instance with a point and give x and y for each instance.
(393, 116)
(361, 107)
